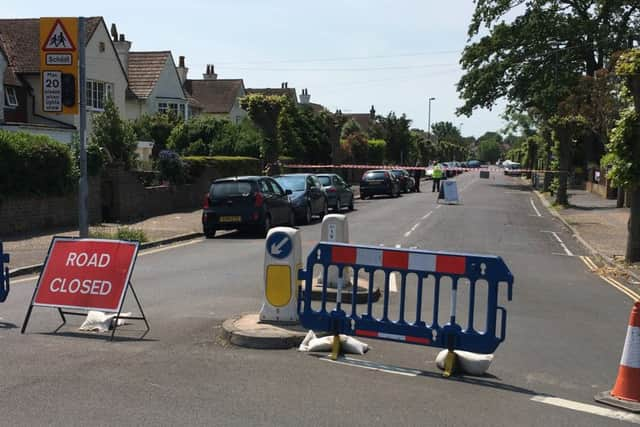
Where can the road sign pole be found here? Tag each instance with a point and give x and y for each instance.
(83, 192)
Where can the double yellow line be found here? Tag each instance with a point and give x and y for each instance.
(610, 280)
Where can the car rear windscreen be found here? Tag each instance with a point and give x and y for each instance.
(375, 175)
(293, 182)
(325, 180)
(231, 188)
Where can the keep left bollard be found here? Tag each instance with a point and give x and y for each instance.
(282, 260)
(4, 275)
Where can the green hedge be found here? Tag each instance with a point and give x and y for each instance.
(34, 164)
(377, 148)
(224, 165)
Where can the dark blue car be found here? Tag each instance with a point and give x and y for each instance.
(307, 196)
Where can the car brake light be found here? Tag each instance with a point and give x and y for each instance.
(206, 201)
(386, 174)
(259, 200)
(331, 190)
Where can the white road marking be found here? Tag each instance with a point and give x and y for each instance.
(566, 250)
(408, 233)
(589, 409)
(26, 279)
(427, 215)
(438, 207)
(347, 361)
(534, 207)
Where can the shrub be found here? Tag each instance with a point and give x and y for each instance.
(223, 165)
(122, 233)
(377, 148)
(34, 164)
(171, 167)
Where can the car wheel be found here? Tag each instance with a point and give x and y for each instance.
(338, 207)
(307, 215)
(292, 218)
(325, 209)
(363, 196)
(209, 232)
(351, 204)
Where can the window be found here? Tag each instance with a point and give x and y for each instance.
(98, 93)
(10, 97)
(177, 109)
(162, 107)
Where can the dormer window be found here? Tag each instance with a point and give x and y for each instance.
(10, 97)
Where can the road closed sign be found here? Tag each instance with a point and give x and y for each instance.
(89, 274)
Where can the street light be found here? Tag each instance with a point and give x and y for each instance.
(429, 119)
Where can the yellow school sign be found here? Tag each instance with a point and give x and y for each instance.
(59, 65)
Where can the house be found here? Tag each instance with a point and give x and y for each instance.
(154, 83)
(364, 120)
(106, 77)
(213, 96)
(283, 90)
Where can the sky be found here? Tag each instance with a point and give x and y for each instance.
(350, 55)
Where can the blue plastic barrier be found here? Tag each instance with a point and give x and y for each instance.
(4, 275)
(456, 266)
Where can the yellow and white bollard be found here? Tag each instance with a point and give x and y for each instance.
(335, 228)
(282, 260)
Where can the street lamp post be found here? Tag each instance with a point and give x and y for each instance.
(429, 119)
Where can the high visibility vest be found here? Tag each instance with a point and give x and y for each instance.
(437, 172)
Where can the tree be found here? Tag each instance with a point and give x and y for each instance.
(489, 150)
(625, 148)
(264, 110)
(157, 128)
(395, 131)
(567, 131)
(536, 58)
(114, 135)
(446, 131)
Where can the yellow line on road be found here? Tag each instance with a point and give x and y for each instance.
(587, 261)
(628, 292)
(166, 248)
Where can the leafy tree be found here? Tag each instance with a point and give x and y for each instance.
(376, 151)
(114, 135)
(288, 137)
(624, 148)
(395, 131)
(264, 110)
(157, 128)
(349, 128)
(567, 131)
(488, 150)
(536, 58)
(446, 131)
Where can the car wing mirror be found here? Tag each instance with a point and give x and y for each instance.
(288, 192)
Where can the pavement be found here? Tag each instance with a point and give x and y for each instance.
(565, 333)
(600, 226)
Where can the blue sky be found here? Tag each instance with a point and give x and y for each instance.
(348, 54)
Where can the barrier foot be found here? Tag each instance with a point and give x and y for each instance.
(335, 347)
(449, 364)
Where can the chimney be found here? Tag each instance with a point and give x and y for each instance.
(372, 113)
(182, 70)
(305, 97)
(210, 74)
(123, 47)
(282, 85)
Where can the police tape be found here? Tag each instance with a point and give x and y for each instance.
(391, 167)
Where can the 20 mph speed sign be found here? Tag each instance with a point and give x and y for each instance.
(52, 91)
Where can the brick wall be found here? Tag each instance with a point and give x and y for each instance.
(20, 214)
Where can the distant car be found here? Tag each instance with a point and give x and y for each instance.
(339, 193)
(376, 182)
(307, 196)
(407, 183)
(512, 168)
(473, 164)
(245, 202)
(448, 168)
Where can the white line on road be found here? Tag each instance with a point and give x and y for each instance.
(427, 215)
(534, 207)
(408, 233)
(566, 249)
(589, 409)
(347, 361)
(27, 279)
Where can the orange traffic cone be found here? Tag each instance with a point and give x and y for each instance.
(626, 391)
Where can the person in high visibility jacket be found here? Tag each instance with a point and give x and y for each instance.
(436, 176)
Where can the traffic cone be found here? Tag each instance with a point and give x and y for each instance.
(626, 391)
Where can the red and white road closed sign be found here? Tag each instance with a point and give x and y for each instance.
(86, 273)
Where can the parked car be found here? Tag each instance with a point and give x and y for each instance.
(375, 182)
(407, 183)
(339, 193)
(473, 164)
(245, 202)
(307, 196)
(512, 168)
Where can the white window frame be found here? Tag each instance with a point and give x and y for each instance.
(97, 94)
(10, 97)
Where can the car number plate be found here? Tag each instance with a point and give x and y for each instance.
(230, 219)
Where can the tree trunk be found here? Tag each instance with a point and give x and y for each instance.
(633, 227)
(620, 197)
(563, 159)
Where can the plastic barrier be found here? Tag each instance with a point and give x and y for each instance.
(423, 264)
(4, 275)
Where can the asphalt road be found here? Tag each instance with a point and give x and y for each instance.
(565, 335)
